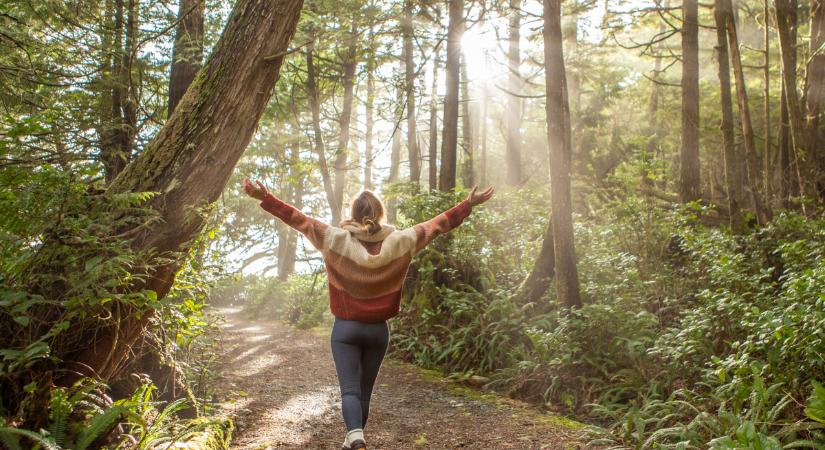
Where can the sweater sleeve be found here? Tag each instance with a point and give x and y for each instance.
(313, 229)
(425, 232)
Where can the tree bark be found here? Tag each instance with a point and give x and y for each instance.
(689, 183)
(192, 157)
(540, 278)
(788, 174)
(814, 92)
(733, 162)
(467, 142)
(449, 139)
(370, 112)
(395, 150)
(560, 149)
(751, 158)
(433, 150)
(187, 53)
(514, 103)
(288, 241)
(409, 86)
(767, 153)
(785, 14)
(116, 150)
(482, 166)
(350, 63)
(318, 138)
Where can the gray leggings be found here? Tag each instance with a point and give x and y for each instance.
(358, 349)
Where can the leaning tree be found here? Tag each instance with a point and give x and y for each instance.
(191, 159)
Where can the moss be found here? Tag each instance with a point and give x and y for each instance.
(519, 409)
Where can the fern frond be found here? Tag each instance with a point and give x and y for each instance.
(99, 425)
(47, 443)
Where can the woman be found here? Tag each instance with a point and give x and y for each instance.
(366, 261)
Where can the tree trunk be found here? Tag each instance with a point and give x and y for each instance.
(482, 166)
(395, 152)
(318, 138)
(514, 106)
(570, 36)
(192, 157)
(788, 175)
(350, 63)
(733, 162)
(540, 278)
(689, 183)
(187, 53)
(467, 143)
(449, 139)
(370, 112)
(785, 14)
(767, 153)
(288, 241)
(409, 86)
(560, 146)
(655, 129)
(433, 156)
(117, 144)
(751, 158)
(814, 91)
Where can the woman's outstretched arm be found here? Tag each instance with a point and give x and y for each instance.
(313, 229)
(427, 231)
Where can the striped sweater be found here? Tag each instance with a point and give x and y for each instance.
(366, 272)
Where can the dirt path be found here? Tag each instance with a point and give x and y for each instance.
(279, 384)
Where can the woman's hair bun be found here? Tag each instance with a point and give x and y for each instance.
(370, 225)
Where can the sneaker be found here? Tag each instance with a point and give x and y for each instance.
(358, 444)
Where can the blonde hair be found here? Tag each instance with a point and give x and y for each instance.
(366, 211)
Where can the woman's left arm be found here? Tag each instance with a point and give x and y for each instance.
(446, 221)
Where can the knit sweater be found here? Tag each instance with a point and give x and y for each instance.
(366, 272)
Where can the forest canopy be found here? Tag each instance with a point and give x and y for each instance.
(653, 262)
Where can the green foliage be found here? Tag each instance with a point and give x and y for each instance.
(689, 337)
(301, 300)
(81, 418)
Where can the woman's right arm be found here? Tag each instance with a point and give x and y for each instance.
(312, 228)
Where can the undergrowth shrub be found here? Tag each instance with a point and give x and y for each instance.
(301, 300)
(689, 336)
(65, 260)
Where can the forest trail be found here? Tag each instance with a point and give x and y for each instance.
(279, 385)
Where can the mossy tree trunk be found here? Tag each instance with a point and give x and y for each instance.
(192, 157)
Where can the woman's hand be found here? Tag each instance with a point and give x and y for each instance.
(258, 192)
(477, 199)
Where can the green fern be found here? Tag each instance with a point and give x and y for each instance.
(60, 408)
(7, 435)
(100, 424)
(815, 408)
